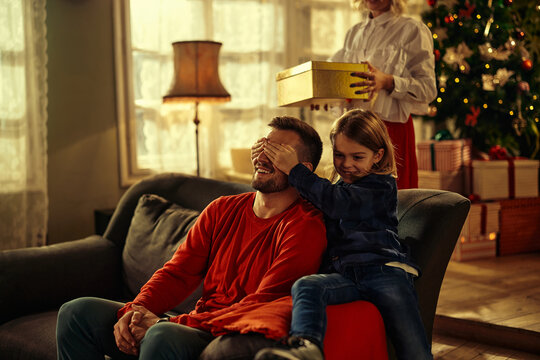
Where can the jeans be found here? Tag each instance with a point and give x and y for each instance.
(390, 289)
(85, 331)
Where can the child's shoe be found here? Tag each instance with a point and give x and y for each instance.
(295, 349)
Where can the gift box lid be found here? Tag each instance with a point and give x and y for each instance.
(320, 65)
(318, 84)
(498, 164)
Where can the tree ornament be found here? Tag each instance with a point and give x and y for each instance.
(523, 86)
(432, 3)
(526, 64)
(520, 34)
(488, 53)
(519, 124)
(432, 111)
(444, 134)
(455, 57)
(472, 118)
(499, 79)
(467, 12)
(437, 54)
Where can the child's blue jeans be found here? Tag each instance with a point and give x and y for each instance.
(390, 289)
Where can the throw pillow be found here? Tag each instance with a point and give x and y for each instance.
(157, 228)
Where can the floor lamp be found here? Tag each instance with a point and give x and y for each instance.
(196, 78)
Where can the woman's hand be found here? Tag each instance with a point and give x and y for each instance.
(373, 80)
(283, 157)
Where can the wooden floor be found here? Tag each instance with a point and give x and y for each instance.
(493, 301)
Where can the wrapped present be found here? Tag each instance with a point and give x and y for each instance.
(476, 247)
(519, 226)
(483, 219)
(503, 179)
(442, 180)
(318, 84)
(443, 155)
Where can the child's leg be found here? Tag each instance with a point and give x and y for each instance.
(392, 291)
(310, 296)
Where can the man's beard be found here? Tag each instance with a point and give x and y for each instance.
(269, 186)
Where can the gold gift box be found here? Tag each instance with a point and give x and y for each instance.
(318, 83)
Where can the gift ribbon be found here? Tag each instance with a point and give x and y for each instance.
(511, 178)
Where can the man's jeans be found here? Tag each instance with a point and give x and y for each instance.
(85, 331)
(390, 289)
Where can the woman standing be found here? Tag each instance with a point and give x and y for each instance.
(401, 76)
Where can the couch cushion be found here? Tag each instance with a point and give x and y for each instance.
(157, 229)
(29, 337)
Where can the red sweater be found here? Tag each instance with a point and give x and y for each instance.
(248, 265)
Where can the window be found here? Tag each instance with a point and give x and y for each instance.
(260, 38)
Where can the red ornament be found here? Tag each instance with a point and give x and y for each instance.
(472, 118)
(526, 64)
(432, 3)
(520, 34)
(447, 19)
(467, 13)
(437, 54)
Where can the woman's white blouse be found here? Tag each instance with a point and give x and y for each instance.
(400, 46)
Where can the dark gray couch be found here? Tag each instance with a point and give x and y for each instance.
(34, 282)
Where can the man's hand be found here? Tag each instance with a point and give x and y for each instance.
(283, 157)
(257, 149)
(141, 321)
(373, 80)
(123, 337)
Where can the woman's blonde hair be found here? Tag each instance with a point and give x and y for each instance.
(398, 7)
(367, 129)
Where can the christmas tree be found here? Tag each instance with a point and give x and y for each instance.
(486, 68)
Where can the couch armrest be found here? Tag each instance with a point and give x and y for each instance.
(42, 278)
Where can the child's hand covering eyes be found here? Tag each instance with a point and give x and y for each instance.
(283, 157)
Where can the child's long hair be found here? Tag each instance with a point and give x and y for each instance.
(367, 129)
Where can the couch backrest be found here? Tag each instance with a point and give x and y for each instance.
(187, 191)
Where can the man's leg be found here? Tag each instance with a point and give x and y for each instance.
(85, 330)
(236, 347)
(173, 341)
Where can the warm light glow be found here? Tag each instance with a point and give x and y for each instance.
(531, 108)
(460, 23)
(487, 66)
(466, 101)
(435, 36)
(456, 80)
(500, 101)
(478, 16)
(535, 97)
(485, 106)
(463, 239)
(476, 31)
(442, 89)
(511, 113)
(429, 24)
(462, 67)
(439, 100)
(492, 236)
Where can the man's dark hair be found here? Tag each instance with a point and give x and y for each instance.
(311, 150)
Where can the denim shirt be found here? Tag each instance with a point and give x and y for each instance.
(361, 218)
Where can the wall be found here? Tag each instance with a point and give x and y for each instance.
(82, 134)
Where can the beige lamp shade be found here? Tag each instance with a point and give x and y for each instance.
(196, 76)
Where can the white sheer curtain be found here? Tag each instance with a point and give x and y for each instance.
(23, 117)
(260, 38)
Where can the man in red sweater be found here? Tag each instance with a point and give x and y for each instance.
(248, 248)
